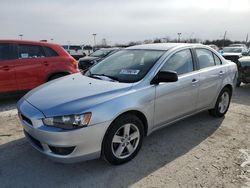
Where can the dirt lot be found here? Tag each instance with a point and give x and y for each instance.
(200, 151)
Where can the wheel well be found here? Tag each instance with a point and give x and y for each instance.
(141, 116)
(230, 87)
(57, 73)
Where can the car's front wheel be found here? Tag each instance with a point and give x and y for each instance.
(222, 103)
(123, 139)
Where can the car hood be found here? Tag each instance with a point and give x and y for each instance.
(73, 94)
(245, 58)
(232, 54)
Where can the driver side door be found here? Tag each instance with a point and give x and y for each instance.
(177, 99)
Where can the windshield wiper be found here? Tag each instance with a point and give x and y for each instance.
(104, 75)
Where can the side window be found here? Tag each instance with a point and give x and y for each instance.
(7, 52)
(205, 58)
(217, 60)
(50, 52)
(181, 62)
(30, 51)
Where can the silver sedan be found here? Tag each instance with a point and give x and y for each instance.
(110, 109)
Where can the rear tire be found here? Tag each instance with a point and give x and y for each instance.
(222, 103)
(123, 139)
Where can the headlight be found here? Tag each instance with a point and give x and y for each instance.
(69, 121)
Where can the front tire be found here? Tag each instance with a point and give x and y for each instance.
(222, 103)
(123, 139)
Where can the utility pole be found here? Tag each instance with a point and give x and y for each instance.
(94, 35)
(224, 38)
(179, 37)
(247, 39)
(21, 36)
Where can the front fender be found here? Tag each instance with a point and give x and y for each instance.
(141, 100)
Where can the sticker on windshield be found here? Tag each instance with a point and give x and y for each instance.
(129, 71)
(24, 55)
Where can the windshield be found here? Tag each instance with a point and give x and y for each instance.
(100, 53)
(232, 50)
(127, 65)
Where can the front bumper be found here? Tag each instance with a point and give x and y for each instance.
(79, 144)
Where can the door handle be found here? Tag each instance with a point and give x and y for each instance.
(221, 73)
(5, 68)
(194, 81)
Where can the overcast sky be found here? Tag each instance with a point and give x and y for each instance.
(122, 21)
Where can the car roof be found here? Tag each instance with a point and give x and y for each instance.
(161, 46)
(114, 48)
(28, 42)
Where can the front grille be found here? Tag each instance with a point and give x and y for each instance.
(27, 120)
(33, 140)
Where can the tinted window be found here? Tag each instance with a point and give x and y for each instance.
(205, 58)
(217, 60)
(6, 52)
(50, 52)
(181, 62)
(30, 51)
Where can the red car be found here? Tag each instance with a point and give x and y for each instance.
(25, 65)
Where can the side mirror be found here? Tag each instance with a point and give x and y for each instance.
(165, 76)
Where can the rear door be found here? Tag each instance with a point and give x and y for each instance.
(212, 73)
(8, 59)
(30, 69)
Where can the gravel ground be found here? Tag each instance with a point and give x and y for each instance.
(200, 151)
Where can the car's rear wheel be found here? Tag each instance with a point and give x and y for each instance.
(222, 103)
(123, 139)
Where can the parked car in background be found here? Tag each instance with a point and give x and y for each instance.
(125, 97)
(214, 47)
(25, 65)
(77, 51)
(238, 45)
(234, 53)
(98, 55)
(244, 70)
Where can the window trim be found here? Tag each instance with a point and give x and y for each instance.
(218, 58)
(193, 61)
(197, 60)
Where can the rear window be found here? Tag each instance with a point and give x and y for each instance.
(205, 58)
(7, 52)
(50, 52)
(75, 47)
(30, 51)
